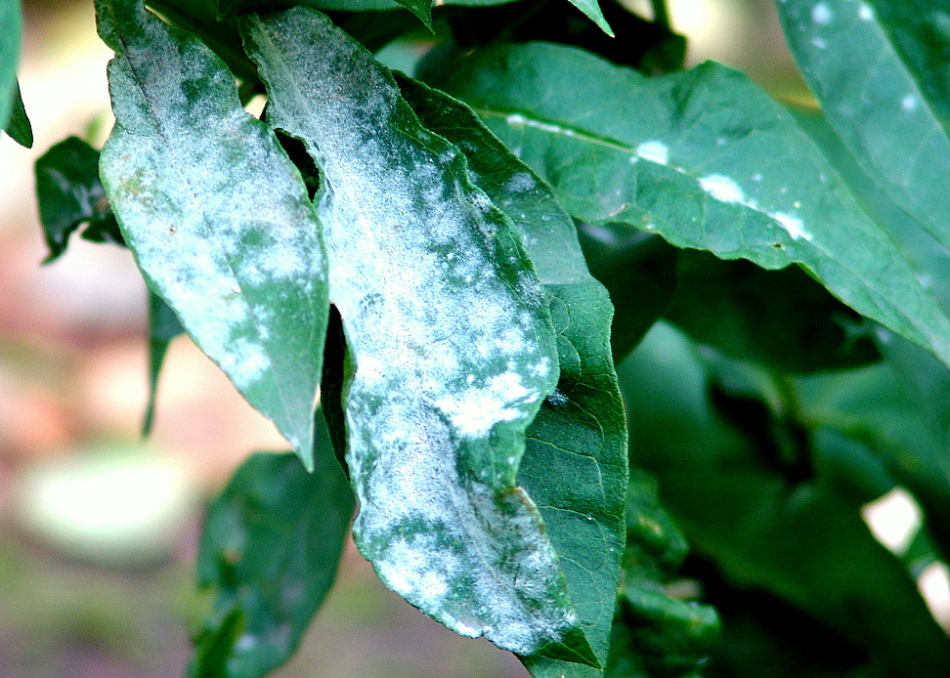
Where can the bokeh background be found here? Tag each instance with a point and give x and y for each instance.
(98, 528)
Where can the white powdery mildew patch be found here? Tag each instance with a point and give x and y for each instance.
(821, 14)
(909, 103)
(474, 412)
(518, 120)
(722, 188)
(654, 151)
(865, 12)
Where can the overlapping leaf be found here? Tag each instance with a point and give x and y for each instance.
(19, 127)
(217, 216)
(270, 548)
(449, 341)
(803, 541)
(575, 462)
(880, 71)
(12, 23)
(704, 158)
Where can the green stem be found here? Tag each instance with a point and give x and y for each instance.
(661, 15)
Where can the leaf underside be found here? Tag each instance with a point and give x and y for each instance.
(450, 345)
(217, 216)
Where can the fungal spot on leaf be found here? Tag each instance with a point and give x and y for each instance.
(557, 399)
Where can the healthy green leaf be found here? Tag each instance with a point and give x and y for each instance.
(449, 340)
(12, 22)
(270, 548)
(19, 127)
(163, 326)
(880, 71)
(803, 541)
(575, 464)
(69, 193)
(217, 216)
(704, 158)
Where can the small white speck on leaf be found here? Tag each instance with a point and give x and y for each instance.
(909, 103)
(654, 151)
(865, 12)
(821, 14)
(722, 188)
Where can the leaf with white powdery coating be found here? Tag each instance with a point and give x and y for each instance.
(575, 464)
(879, 69)
(703, 158)
(217, 216)
(451, 349)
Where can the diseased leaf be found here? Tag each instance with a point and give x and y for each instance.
(575, 463)
(880, 71)
(69, 193)
(269, 549)
(19, 127)
(449, 341)
(703, 158)
(12, 22)
(217, 216)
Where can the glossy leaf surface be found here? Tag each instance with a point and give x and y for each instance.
(879, 70)
(703, 158)
(270, 548)
(449, 341)
(575, 463)
(217, 216)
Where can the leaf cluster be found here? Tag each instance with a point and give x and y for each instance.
(607, 356)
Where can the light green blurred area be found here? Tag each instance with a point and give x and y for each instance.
(98, 532)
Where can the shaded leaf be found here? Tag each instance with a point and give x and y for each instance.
(575, 463)
(781, 319)
(12, 22)
(803, 542)
(217, 216)
(449, 341)
(639, 271)
(703, 158)
(19, 127)
(70, 194)
(269, 549)
(880, 71)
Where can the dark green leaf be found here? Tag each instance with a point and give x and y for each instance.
(69, 192)
(803, 542)
(217, 216)
(781, 319)
(12, 23)
(19, 127)
(269, 549)
(575, 463)
(449, 342)
(704, 158)
(639, 271)
(880, 71)
(163, 326)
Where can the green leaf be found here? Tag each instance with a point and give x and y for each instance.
(217, 216)
(703, 158)
(69, 193)
(804, 542)
(781, 319)
(592, 9)
(269, 549)
(575, 463)
(449, 342)
(163, 326)
(639, 271)
(879, 70)
(19, 127)
(12, 22)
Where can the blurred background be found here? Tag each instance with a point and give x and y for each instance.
(98, 529)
